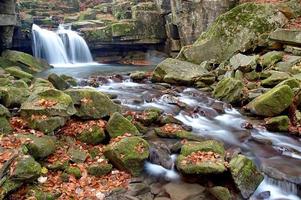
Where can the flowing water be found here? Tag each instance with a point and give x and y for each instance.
(61, 48)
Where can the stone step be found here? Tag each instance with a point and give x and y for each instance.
(286, 36)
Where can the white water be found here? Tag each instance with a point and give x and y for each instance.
(60, 48)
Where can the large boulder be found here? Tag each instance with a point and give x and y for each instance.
(240, 29)
(275, 78)
(272, 102)
(119, 125)
(129, 154)
(205, 157)
(229, 90)
(245, 175)
(92, 104)
(24, 61)
(177, 72)
(49, 102)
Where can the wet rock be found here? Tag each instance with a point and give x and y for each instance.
(229, 90)
(220, 193)
(274, 79)
(99, 169)
(119, 125)
(138, 76)
(17, 73)
(243, 63)
(263, 195)
(177, 72)
(270, 58)
(160, 155)
(92, 135)
(210, 149)
(238, 30)
(245, 175)
(46, 124)
(169, 119)
(273, 102)
(91, 104)
(58, 82)
(26, 169)
(136, 189)
(279, 123)
(48, 101)
(128, 154)
(183, 191)
(40, 147)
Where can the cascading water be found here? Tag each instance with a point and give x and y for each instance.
(61, 47)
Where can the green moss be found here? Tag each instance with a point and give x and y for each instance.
(121, 29)
(77, 155)
(291, 82)
(5, 127)
(181, 134)
(99, 169)
(12, 96)
(128, 154)
(8, 187)
(17, 73)
(93, 135)
(220, 193)
(245, 175)
(58, 165)
(46, 125)
(209, 145)
(26, 169)
(270, 58)
(75, 171)
(229, 90)
(119, 125)
(280, 123)
(98, 34)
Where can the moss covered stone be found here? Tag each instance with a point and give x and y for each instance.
(177, 72)
(26, 169)
(99, 169)
(119, 125)
(229, 90)
(77, 155)
(180, 134)
(291, 82)
(279, 123)
(12, 96)
(275, 78)
(58, 82)
(92, 104)
(128, 154)
(126, 28)
(220, 193)
(245, 175)
(40, 147)
(92, 135)
(88, 14)
(103, 34)
(8, 187)
(206, 146)
(49, 102)
(46, 124)
(17, 73)
(240, 29)
(273, 102)
(75, 171)
(270, 58)
(25, 61)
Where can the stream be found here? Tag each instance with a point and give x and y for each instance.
(278, 155)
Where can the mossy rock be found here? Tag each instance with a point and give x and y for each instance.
(280, 123)
(13, 96)
(57, 165)
(138, 76)
(220, 193)
(88, 14)
(9, 186)
(122, 29)
(205, 146)
(149, 116)
(180, 134)
(5, 126)
(92, 135)
(99, 169)
(244, 27)
(41, 195)
(58, 82)
(49, 102)
(25, 61)
(77, 155)
(70, 80)
(92, 104)
(275, 78)
(26, 169)
(273, 102)
(119, 125)
(291, 82)
(245, 175)
(128, 154)
(243, 62)
(40, 147)
(229, 90)
(75, 171)
(271, 58)
(46, 124)
(17, 73)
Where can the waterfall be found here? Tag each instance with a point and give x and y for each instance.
(61, 47)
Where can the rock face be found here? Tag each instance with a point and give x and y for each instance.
(240, 29)
(8, 20)
(129, 154)
(245, 175)
(177, 72)
(229, 90)
(272, 102)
